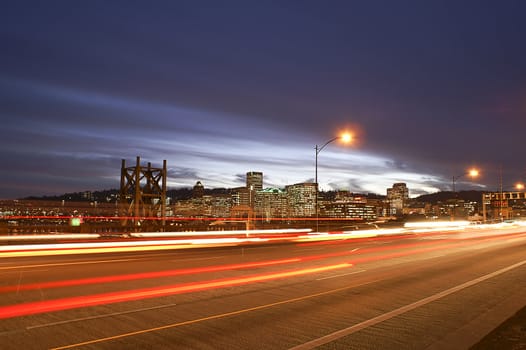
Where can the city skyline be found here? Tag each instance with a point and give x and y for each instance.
(429, 90)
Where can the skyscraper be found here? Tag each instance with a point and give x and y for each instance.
(271, 203)
(397, 196)
(301, 199)
(255, 180)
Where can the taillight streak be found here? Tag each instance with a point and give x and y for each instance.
(143, 275)
(207, 269)
(180, 272)
(137, 294)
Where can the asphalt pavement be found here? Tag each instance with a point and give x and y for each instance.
(434, 292)
(509, 335)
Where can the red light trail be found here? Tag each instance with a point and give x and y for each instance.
(144, 275)
(117, 297)
(18, 310)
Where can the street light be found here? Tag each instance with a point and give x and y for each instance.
(473, 173)
(345, 138)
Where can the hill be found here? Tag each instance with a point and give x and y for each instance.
(433, 198)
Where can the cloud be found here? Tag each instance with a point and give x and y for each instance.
(219, 90)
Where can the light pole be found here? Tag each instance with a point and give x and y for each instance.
(473, 173)
(346, 138)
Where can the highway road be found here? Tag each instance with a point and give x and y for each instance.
(425, 290)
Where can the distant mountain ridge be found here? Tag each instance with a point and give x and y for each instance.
(433, 198)
(111, 194)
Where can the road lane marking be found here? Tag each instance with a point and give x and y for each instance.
(388, 315)
(213, 317)
(340, 275)
(100, 316)
(65, 264)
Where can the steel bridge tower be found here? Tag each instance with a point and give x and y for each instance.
(143, 197)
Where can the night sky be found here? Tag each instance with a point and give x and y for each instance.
(219, 88)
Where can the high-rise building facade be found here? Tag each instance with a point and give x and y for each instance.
(348, 210)
(271, 203)
(398, 197)
(347, 205)
(301, 199)
(241, 196)
(254, 180)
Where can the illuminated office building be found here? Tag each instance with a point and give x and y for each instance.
(255, 180)
(271, 203)
(398, 197)
(301, 199)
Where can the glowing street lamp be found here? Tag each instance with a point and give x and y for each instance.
(519, 186)
(345, 137)
(473, 173)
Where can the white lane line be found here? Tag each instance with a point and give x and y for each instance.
(340, 275)
(65, 264)
(388, 315)
(99, 316)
